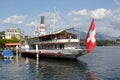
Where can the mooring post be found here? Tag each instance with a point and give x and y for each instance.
(37, 51)
(17, 50)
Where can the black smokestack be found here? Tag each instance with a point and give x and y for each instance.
(42, 20)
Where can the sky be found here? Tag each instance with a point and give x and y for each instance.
(25, 14)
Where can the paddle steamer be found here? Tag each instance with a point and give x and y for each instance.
(59, 44)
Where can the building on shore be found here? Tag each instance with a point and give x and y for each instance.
(13, 32)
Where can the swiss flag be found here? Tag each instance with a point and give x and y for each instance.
(90, 41)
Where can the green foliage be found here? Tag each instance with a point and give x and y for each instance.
(3, 41)
(103, 42)
(107, 43)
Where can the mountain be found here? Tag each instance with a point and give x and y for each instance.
(118, 37)
(99, 36)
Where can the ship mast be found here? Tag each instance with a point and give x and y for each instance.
(36, 33)
(54, 19)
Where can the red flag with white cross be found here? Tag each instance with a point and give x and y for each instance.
(90, 41)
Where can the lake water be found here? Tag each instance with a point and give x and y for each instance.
(103, 63)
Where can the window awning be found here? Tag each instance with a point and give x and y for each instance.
(12, 44)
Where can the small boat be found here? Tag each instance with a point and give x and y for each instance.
(7, 54)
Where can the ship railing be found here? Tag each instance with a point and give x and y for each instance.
(58, 41)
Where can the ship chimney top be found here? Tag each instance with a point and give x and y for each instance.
(42, 26)
(42, 19)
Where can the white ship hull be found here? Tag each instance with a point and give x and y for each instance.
(58, 53)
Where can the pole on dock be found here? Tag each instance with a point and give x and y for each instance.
(37, 52)
(17, 50)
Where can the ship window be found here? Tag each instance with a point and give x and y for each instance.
(61, 46)
(55, 46)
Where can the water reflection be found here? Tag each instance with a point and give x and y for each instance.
(102, 63)
(24, 68)
(7, 61)
(49, 69)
